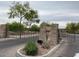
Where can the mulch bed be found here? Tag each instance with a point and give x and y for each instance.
(41, 50)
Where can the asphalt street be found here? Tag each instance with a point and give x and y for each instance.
(70, 47)
(8, 48)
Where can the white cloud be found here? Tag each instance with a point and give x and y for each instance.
(57, 13)
(46, 12)
(4, 10)
(67, 14)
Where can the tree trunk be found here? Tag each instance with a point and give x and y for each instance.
(74, 37)
(20, 26)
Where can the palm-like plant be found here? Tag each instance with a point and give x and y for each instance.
(21, 11)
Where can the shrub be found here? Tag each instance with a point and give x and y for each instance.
(31, 48)
(15, 27)
(71, 27)
(34, 28)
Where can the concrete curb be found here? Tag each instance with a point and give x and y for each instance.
(18, 54)
(53, 50)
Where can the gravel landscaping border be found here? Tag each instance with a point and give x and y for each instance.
(53, 50)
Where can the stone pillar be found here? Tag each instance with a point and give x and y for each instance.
(51, 32)
(2, 30)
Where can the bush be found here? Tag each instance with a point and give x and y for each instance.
(15, 27)
(31, 48)
(34, 28)
(72, 28)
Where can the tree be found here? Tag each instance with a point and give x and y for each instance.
(77, 27)
(34, 28)
(22, 11)
(71, 28)
(44, 24)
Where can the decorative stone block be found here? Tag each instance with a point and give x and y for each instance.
(49, 34)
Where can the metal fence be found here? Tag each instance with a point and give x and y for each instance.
(62, 34)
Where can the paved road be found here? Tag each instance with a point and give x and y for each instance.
(8, 48)
(70, 47)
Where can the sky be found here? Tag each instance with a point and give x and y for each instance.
(61, 12)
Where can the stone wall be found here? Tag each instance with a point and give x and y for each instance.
(49, 34)
(2, 30)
